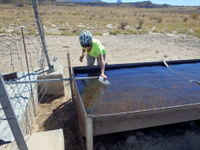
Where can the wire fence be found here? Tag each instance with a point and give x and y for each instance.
(22, 58)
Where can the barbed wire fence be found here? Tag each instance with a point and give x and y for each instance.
(22, 58)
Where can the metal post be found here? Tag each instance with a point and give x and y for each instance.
(89, 133)
(25, 51)
(41, 32)
(14, 126)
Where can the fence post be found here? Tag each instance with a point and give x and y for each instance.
(41, 32)
(70, 76)
(12, 121)
(25, 52)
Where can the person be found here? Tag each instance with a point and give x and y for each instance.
(94, 51)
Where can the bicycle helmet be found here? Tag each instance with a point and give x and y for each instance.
(85, 38)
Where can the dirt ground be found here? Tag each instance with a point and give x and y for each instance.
(54, 112)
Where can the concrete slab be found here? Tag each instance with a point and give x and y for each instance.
(49, 140)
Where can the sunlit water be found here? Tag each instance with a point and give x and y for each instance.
(141, 88)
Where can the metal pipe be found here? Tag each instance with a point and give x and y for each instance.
(190, 79)
(52, 80)
(86, 78)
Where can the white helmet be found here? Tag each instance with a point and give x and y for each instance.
(85, 38)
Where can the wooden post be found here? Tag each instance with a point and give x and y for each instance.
(70, 76)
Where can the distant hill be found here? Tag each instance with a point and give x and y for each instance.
(148, 4)
(119, 1)
(83, 0)
(145, 4)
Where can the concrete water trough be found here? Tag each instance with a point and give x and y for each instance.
(140, 95)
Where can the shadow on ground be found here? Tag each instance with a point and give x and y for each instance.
(180, 136)
(65, 117)
(48, 98)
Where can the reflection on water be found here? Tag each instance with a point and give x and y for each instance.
(136, 89)
(92, 94)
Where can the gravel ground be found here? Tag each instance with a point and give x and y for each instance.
(129, 48)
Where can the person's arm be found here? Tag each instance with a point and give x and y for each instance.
(102, 64)
(82, 56)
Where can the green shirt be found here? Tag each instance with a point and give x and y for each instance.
(97, 48)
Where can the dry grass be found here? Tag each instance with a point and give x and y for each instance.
(70, 20)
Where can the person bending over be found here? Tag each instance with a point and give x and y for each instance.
(94, 50)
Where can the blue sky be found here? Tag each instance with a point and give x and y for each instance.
(171, 2)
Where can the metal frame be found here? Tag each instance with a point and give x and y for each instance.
(92, 125)
(51, 80)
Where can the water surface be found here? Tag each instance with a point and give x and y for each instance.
(141, 88)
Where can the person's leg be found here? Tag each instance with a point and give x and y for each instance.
(104, 57)
(90, 60)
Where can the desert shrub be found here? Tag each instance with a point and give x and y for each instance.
(197, 33)
(99, 34)
(159, 19)
(123, 24)
(63, 29)
(43, 13)
(194, 16)
(76, 13)
(2, 31)
(185, 19)
(90, 18)
(56, 13)
(102, 16)
(69, 34)
(141, 22)
(131, 31)
(114, 32)
(20, 5)
(59, 13)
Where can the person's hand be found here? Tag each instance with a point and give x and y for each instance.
(104, 76)
(81, 58)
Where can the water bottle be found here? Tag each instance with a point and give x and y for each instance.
(55, 63)
(41, 63)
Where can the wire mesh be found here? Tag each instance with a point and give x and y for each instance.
(18, 65)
